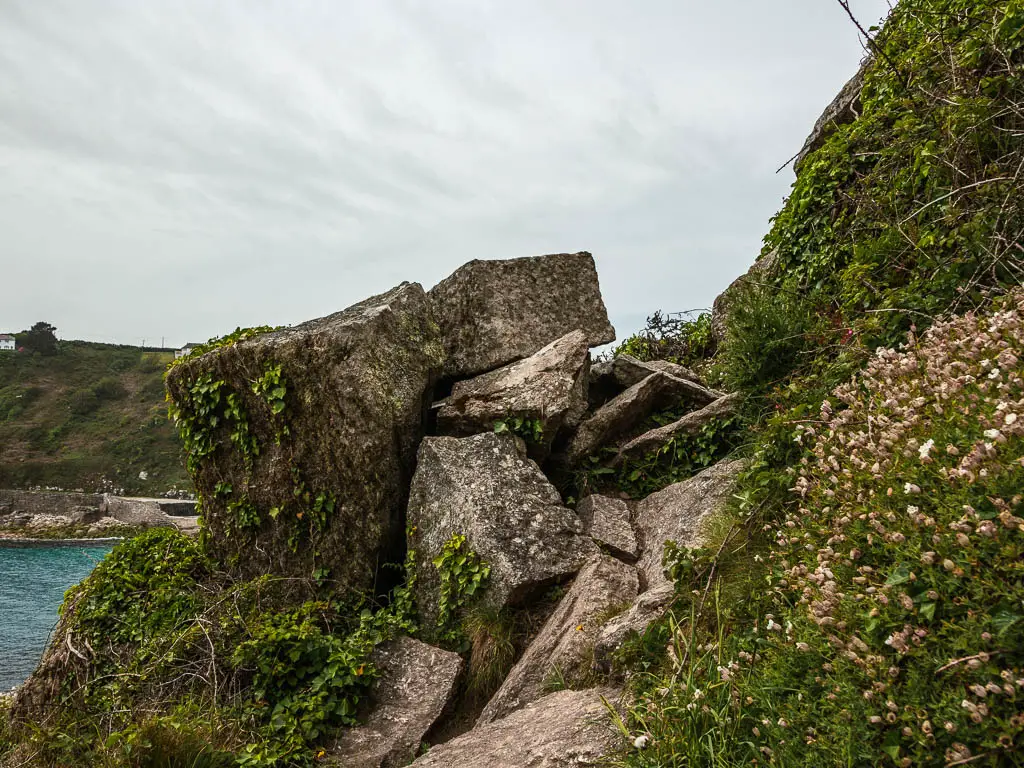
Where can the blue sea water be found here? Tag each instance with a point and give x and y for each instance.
(33, 580)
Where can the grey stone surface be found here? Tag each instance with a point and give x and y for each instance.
(844, 109)
(550, 386)
(415, 685)
(357, 382)
(137, 512)
(483, 488)
(647, 608)
(690, 424)
(494, 312)
(625, 412)
(607, 522)
(47, 502)
(568, 729)
(676, 513)
(562, 651)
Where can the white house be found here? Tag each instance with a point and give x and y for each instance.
(6, 342)
(187, 349)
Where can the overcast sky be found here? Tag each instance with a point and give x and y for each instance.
(174, 170)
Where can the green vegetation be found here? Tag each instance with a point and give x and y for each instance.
(863, 606)
(683, 338)
(89, 416)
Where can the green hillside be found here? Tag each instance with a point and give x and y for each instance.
(91, 416)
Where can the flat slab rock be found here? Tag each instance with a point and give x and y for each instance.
(625, 412)
(627, 370)
(677, 512)
(562, 649)
(415, 685)
(357, 382)
(567, 729)
(550, 387)
(494, 312)
(607, 522)
(483, 488)
(690, 424)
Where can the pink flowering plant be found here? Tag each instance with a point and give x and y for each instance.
(892, 631)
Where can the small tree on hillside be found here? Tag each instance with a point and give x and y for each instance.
(41, 338)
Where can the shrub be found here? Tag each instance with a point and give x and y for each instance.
(109, 388)
(682, 337)
(83, 402)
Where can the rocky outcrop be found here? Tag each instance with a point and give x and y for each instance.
(561, 654)
(676, 513)
(689, 425)
(568, 729)
(415, 685)
(548, 388)
(356, 384)
(607, 522)
(647, 609)
(483, 488)
(494, 312)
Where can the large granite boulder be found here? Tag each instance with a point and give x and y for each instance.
(568, 729)
(140, 513)
(647, 609)
(415, 685)
(548, 388)
(483, 488)
(676, 514)
(494, 312)
(307, 438)
(607, 522)
(561, 654)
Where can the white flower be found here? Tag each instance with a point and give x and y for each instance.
(911, 488)
(991, 434)
(641, 741)
(926, 448)
(773, 627)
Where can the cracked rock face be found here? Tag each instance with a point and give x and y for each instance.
(494, 312)
(483, 488)
(676, 514)
(549, 387)
(415, 685)
(562, 651)
(607, 522)
(568, 729)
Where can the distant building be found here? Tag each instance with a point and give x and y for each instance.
(6, 342)
(187, 349)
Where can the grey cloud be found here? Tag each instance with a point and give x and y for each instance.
(179, 169)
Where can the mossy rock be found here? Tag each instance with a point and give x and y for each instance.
(301, 441)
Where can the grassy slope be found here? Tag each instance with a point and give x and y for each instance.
(91, 417)
(857, 625)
